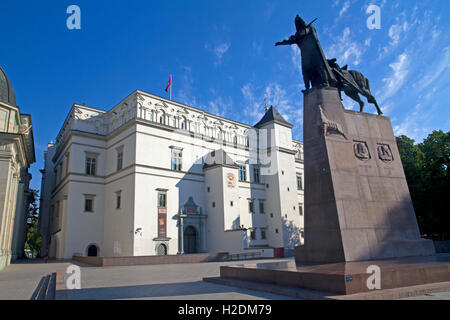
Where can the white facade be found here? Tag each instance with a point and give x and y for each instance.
(150, 191)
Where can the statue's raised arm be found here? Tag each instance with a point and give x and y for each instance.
(290, 41)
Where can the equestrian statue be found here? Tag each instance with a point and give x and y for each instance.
(319, 72)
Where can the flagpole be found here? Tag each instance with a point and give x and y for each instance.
(171, 84)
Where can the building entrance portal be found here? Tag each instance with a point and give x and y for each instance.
(190, 240)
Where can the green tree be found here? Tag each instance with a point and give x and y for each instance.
(34, 240)
(426, 168)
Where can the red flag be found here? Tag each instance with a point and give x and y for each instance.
(169, 84)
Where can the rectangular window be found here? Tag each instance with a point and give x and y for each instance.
(67, 163)
(162, 213)
(176, 160)
(88, 205)
(261, 206)
(90, 166)
(253, 234)
(256, 177)
(162, 199)
(162, 220)
(263, 234)
(300, 209)
(242, 173)
(299, 182)
(251, 208)
(119, 160)
(61, 171)
(118, 200)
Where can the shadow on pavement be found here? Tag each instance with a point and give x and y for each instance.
(155, 291)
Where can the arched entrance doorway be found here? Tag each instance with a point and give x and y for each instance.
(162, 250)
(190, 240)
(92, 250)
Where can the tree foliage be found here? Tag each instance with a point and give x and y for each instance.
(34, 240)
(426, 166)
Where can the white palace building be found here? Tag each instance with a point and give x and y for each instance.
(154, 177)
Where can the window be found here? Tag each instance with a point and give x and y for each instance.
(256, 172)
(271, 215)
(299, 182)
(118, 200)
(209, 189)
(213, 204)
(302, 232)
(276, 230)
(162, 222)
(261, 206)
(162, 117)
(67, 162)
(119, 159)
(60, 171)
(89, 204)
(253, 234)
(162, 213)
(231, 203)
(300, 209)
(251, 208)
(176, 160)
(162, 199)
(263, 234)
(242, 173)
(183, 123)
(90, 165)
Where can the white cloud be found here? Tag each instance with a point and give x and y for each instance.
(412, 125)
(344, 8)
(395, 32)
(219, 51)
(397, 77)
(185, 93)
(274, 95)
(345, 50)
(257, 47)
(435, 71)
(220, 106)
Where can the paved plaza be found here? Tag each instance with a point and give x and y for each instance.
(176, 281)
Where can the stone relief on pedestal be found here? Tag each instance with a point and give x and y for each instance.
(385, 153)
(328, 126)
(361, 150)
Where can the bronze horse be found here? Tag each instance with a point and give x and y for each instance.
(317, 70)
(353, 83)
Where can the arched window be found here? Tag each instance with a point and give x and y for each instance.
(92, 251)
(235, 140)
(183, 123)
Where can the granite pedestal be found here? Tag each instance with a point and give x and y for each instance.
(357, 202)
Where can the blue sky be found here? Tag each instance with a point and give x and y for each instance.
(222, 57)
